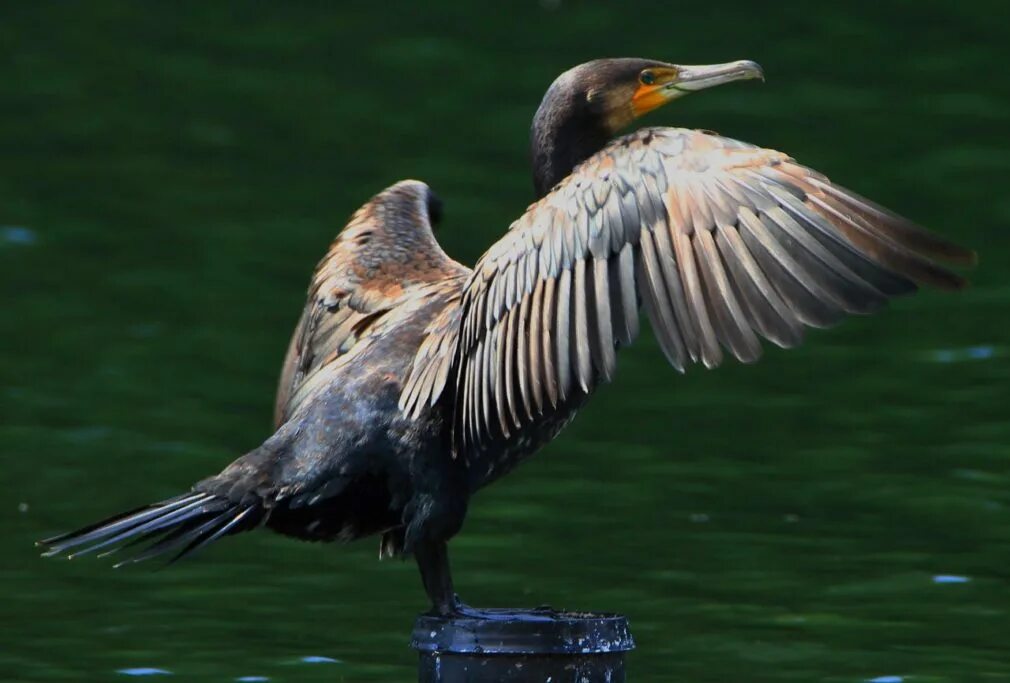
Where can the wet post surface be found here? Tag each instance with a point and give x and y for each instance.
(522, 645)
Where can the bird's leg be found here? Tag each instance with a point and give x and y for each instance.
(433, 561)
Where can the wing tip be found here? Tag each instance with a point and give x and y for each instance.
(941, 278)
(942, 249)
(968, 258)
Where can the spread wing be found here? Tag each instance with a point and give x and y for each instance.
(722, 243)
(386, 249)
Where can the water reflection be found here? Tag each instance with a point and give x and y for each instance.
(17, 235)
(962, 355)
(950, 578)
(316, 659)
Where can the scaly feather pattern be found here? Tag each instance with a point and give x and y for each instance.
(720, 242)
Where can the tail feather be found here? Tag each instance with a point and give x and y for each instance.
(189, 522)
(111, 525)
(163, 521)
(207, 537)
(189, 538)
(149, 536)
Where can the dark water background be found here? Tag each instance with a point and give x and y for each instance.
(169, 174)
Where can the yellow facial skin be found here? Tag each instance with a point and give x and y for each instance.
(657, 85)
(653, 91)
(661, 84)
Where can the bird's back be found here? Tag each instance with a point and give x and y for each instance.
(344, 460)
(374, 266)
(343, 465)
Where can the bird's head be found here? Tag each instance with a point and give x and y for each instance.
(619, 91)
(589, 104)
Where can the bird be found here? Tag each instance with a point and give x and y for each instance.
(412, 382)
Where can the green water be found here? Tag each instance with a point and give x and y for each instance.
(170, 173)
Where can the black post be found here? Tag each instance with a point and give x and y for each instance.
(507, 645)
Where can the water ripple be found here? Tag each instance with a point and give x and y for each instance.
(950, 578)
(316, 659)
(16, 234)
(981, 352)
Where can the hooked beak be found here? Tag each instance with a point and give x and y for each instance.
(675, 81)
(692, 78)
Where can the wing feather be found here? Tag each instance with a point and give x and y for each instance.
(657, 304)
(551, 374)
(734, 329)
(523, 360)
(710, 354)
(498, 369)
(604, 331)
(385, 257)
(721, 243)
(667, 261)
(562, 334)
(622, 291)
(580, 328)
(535, 348)
(511, 370)
(768, 313)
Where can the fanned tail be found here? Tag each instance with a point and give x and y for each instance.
(180, 525)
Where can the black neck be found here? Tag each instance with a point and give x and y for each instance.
(564, 134)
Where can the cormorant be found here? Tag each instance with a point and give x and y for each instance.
(412, 381)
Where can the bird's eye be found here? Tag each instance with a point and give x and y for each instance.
(647, 78)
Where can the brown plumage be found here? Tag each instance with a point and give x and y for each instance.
(723, 243)
(412, 381)
(376, 264)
